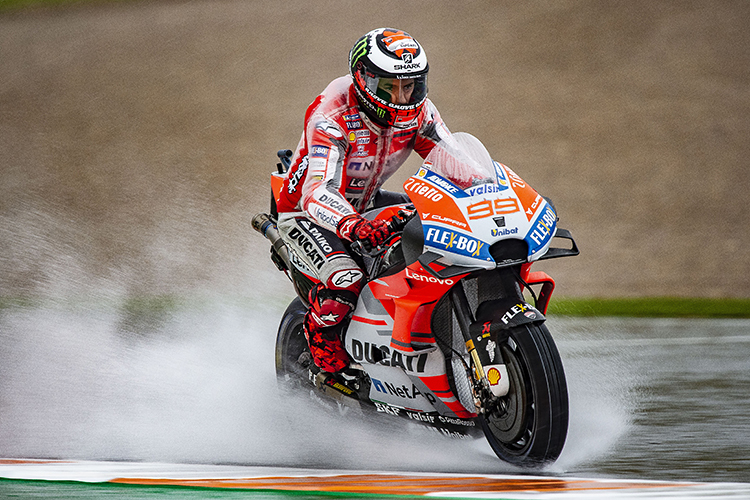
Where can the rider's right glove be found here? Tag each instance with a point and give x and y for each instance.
(371, 233)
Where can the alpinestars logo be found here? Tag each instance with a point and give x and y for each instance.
(297, 176)
(344, 279)
(345, 229)
(330, 318)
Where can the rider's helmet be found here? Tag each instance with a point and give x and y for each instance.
(389, 69)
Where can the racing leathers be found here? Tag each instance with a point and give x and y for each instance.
(337, 170)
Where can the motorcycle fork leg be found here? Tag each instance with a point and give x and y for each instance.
(465, 318)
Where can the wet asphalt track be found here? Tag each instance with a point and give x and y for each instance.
(650, 400)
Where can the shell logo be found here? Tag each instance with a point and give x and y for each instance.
(493, 376)
(352, 137)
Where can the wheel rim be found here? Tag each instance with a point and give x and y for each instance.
(296, 344)
(509, 423)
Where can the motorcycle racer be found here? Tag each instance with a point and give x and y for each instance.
(357, 133)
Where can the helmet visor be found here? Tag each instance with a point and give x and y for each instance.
(404, 91)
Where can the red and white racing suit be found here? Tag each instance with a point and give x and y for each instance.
(340, 164)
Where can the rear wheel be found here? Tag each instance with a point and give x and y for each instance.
(291, 345)
(528, 427)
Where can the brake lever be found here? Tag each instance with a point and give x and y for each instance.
(358, 248)
(398, 222)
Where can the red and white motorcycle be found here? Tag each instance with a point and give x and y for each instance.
(443, 332)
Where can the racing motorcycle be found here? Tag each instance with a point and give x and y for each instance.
(443, 333)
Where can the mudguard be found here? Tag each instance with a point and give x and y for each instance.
(495, 319)
(507, 313)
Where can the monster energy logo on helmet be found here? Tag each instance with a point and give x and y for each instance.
(358, 52)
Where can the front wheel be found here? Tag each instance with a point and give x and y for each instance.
(528, 427)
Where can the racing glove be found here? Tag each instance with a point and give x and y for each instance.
(371, 233)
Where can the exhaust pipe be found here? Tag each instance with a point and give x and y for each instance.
(267, 227)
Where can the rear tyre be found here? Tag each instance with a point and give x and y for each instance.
(529, 426)
(291, 346)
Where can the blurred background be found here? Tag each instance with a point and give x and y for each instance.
(137, 138)
(138, 308)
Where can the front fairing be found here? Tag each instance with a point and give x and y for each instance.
(467, 203)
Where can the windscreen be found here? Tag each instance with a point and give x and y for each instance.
(463, 160)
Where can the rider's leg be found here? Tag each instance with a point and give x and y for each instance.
(330, 307)
(321, 255)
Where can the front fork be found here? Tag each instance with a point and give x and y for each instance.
(489, 371)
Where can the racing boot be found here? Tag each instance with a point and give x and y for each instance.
(327, 351)
(330, 368)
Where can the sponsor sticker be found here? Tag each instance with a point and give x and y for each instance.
(305, 245)
(426, 278)
(493, 376)
(445, 220)
(360, 166)
(356, 185)
(319, 151)
(502, 179)
(367, 352)
(456, 242)
(485, 189)
(403, 391)
(297, 176)
(516, 310)
(504, 232)
(541, 230)
(335, 203)
(445, 184)
(423, 189)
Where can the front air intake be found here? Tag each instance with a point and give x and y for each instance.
(509, 252)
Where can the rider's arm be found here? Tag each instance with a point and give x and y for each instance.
(431, 132)
(321, 193)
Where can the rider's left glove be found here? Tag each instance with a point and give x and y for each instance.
(371, 233)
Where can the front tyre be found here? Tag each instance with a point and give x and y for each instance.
(528, 427)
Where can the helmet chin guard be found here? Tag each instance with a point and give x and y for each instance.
(389, 69)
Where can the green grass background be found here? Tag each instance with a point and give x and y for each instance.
(643, 307)
(652, 307)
